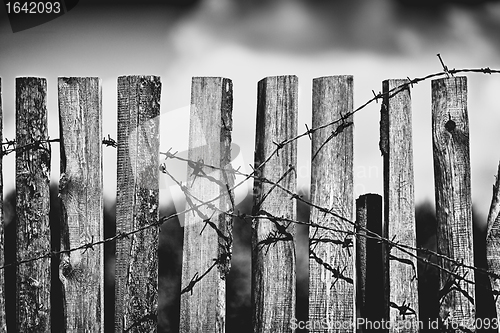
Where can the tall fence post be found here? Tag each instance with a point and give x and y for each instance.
(32, 206)
(370, 272)
(136, 268)
(207, 228)
(80, 191)
(3, 323)
(399, 207)
(450, 137)
(332, 253)
(273, 249)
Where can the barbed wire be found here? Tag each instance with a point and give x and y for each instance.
(281, 233)
(368, 233)
(10, 146)
(110, 142)
(344, 242)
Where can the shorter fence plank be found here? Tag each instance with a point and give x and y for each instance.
(136, 268)
(3, 323)
(273, 249)
(399, 207)
(207, 230)
(332, 253)
(370, 272)
(450, 138)
(80, 190)
(32, 206)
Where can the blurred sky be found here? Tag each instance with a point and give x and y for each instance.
(247, 40)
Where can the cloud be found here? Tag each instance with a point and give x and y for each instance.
(297, 26)
(304, 27)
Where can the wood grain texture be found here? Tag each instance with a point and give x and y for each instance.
(207, 230)
(3, 323)
(369, 262)
(136, 268)
(273, 249)
(493, 243)
(32, 206)
(80, 191)
(450, 138)
(331, 286)
(399, 206)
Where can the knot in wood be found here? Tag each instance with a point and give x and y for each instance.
(450, 125)
(63, 182)
(66, 269)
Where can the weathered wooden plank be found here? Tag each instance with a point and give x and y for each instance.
(493, 243)
(399, 206)
(136, 268)
(273, 249)
(331, 267)
(32, 206)
(207, 230)
(369, 263)
(80, 190)
(450, 138)
(3, 323)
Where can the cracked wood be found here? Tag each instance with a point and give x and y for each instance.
(80, 191)
(207, 230)
(401, 296)
(137, 205)
(331, 295)
(274, 265)
(450, 138)
(32, 206)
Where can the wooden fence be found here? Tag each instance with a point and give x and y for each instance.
(363, 265)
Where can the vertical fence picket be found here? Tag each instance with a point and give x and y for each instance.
(450, 134)
(207, 230)
(273, 249)
(3, 323)
(370, 273)
(32, 206)
(80, 190)
(332, 253)
(493, 243)
(399, 207)
(136, 268)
